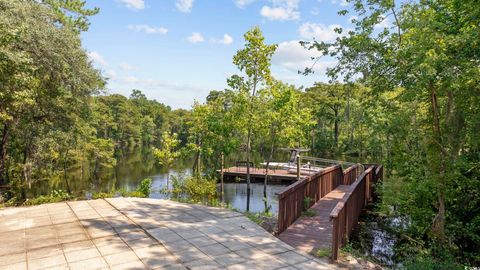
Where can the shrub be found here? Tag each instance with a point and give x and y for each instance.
(306, 203)
(55, 196)
(137, 194)
(196, 189)
(144, 188)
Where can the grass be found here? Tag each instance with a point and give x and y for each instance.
(309, 213)
(258, 218)
(323, 252)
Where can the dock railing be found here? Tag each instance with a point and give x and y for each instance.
(345, 214)
(316, 186)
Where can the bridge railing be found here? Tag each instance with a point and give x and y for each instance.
(291, 200)
(350, 174)
(345, 214)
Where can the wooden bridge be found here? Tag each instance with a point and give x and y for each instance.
(337, 197)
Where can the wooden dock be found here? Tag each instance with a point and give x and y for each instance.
(258, 174)
(310, 233)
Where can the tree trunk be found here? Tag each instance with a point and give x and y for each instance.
(438, 226)
(222, 192)
(248, 169)
(65, 172)
(265, 181)
(249, 135)
(336, 127)
(3, 153)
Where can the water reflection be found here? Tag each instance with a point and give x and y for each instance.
(236, 196)
(133, 167)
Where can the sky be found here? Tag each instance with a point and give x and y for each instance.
(177, 51)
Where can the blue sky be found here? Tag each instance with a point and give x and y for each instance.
(176, 51)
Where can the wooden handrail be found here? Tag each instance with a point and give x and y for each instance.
(293, 187)
(291, 200)
(347, 211)
(340, 204)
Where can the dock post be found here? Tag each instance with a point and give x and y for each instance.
(298, 167)
(221, 177)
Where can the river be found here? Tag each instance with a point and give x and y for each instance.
(133, 167)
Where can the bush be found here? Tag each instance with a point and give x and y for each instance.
(137, 194)
(102, 195)
(195, 189)
(144, 188)
(55, 196)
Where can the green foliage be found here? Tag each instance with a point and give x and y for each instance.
(167, 154)
(55, 196)
(430, 263)
(145, 187)
(306, 203)
(412, 104)
(195, 189)
(323, 252)
(255, 217)
(309, 213)
(307, 210)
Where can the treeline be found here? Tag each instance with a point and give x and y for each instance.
(410, 100)
(54, 113)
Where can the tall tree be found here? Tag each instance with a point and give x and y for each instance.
(168, 152)
(45, 73)
(284, 122)
(254, 60)
(429, 58)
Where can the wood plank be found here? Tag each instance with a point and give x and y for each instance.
(310, 233)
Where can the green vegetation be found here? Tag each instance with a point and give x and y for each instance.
(406, 96)
(55, 196)
(411, 102)
(323, 252)
(194, 189)
(258, 218)
(307, 211)
(166, 155)
(145, 187)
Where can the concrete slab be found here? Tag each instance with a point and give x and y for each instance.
(133, 233)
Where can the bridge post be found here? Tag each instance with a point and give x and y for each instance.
(221, 176)
(298, 167)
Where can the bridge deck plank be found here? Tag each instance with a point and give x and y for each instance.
(310, 233)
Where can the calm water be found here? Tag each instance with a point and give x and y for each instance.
(132, 168)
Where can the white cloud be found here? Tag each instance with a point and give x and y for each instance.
(342, 3)
(243, 3)
(111, 74)
(148, 29)
(184, 6)
(281, 10)
(125, 66)
(97, 58)
(385, 23)
(195, 38)
(226, 40)
(129, 79)
(294, 57)
(133, 4)
(318, 32)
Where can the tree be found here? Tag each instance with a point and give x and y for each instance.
(168, 153)
(284, 120)
(46, 77)
(428, 60)
(254, 60)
